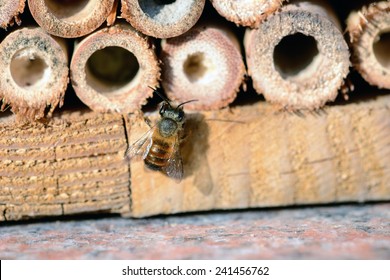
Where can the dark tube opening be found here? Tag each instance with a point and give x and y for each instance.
(195, 67)
(382, 49)
(111, 68)
(163, 10)
(294, 54)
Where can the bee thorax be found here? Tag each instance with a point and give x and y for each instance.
(167, 127)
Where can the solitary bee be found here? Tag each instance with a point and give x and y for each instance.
(160, 146)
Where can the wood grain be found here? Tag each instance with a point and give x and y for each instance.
(274, 159)
(242, 157)
(73, 165)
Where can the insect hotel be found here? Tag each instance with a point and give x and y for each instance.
(291, 105)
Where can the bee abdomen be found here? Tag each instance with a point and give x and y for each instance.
(158, 155)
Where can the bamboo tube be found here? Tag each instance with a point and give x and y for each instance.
(33, 72)
(246, 13)
(298, 58)
(162, 18)
(70, 18)
(113, 68)
(369, 32)
(9, 12)
(204, 64)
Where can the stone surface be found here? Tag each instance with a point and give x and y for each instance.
(334, 232)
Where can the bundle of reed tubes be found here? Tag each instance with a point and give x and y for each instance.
(33, 72)
(298, 57)
(204, 64)
(369, 32)
(9, 12)
(162, 19)
(113, 69)
(246, 13)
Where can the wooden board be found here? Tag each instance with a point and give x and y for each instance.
(72, 165)
(242, 157)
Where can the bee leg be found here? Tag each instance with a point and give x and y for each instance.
(148, 121)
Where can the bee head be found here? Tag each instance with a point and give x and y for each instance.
(167, 111)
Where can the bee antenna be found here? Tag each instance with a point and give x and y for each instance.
(160, 95)
(181, 104)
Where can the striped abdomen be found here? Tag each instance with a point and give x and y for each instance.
(158, 155)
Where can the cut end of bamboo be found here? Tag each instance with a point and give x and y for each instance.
(9, 12)
(369, 32)
(298, 58)
(33, 73)
(203, 64)
(72, 18)
(113, 69)
(162, 18)
(246, 13)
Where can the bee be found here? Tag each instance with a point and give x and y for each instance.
(160, 146)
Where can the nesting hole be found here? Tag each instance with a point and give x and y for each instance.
(164, 2)
(165, 12)
(382, 49)
(111, 68)
(27, 68)
(70, 9)
(195, 67)
(294, 54)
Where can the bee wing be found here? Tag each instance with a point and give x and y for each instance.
(174, 168)
(141, 146)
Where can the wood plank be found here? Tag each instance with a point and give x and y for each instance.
(273, 159)
(241, 157)
(72, 165)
